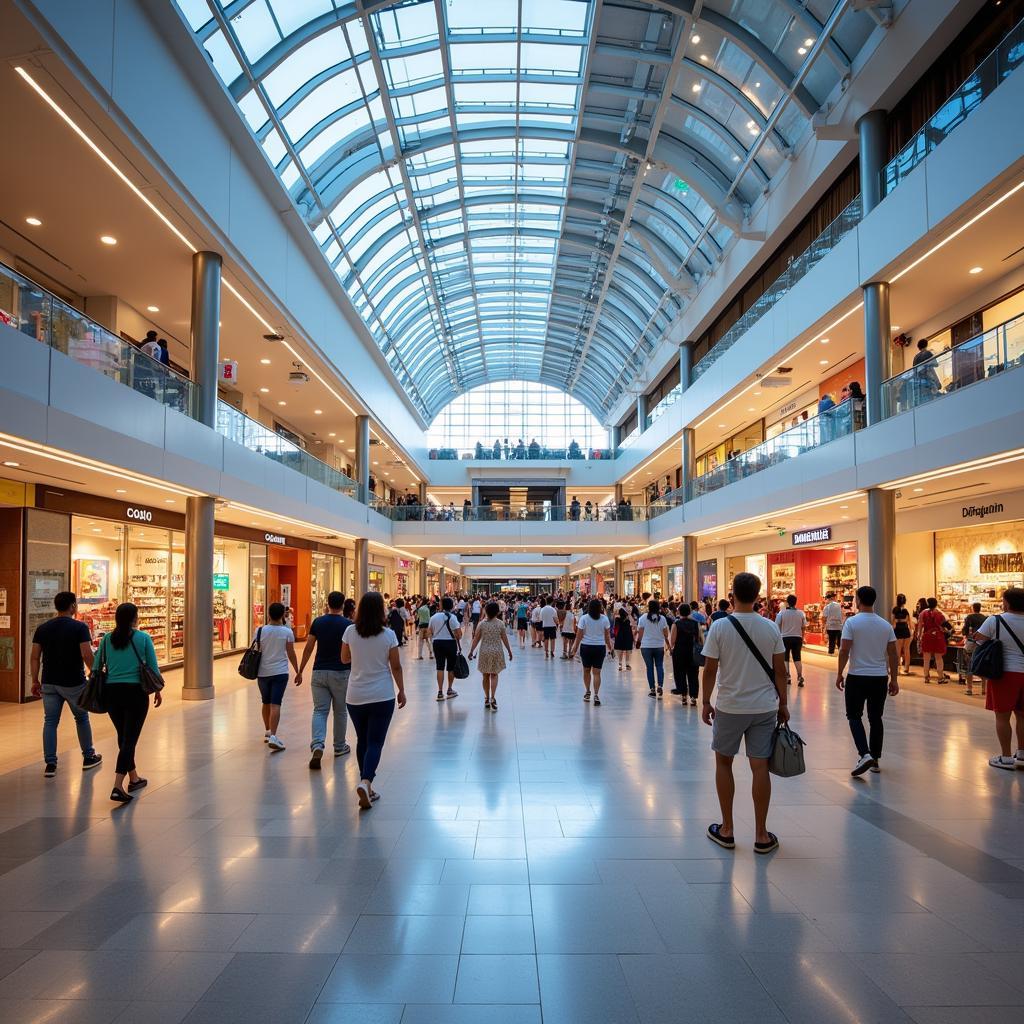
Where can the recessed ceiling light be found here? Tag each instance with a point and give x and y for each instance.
(844, 506)
(844, 517)
(801, 50)
(721, 426)
(695, 39)
(332, 434)
(351, 451)
(108, 239)
(265, 362)
(695, 87)
(894, 327)
(12, 465)
(169, 501)
(376, 463)
(282, 402)
(318, 412)
(152, 309)
(120, 490)
(808, 42)
(751, 409)
(918, 490)
(757, 392)
(823, 341)
(34, 221)
(757, 85)
(735, 159)
(704, 57)
(823, 362)
(974, 270)
(97, 529)
(264, 391)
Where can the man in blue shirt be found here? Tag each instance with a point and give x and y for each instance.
(329, 683)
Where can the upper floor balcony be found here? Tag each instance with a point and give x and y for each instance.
(520, 452)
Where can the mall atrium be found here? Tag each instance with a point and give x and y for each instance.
(529, 299)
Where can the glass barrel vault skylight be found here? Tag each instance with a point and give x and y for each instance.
(524, 189)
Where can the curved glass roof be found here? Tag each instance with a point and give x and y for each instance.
(525, 189)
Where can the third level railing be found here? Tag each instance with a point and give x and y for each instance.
(535, 513)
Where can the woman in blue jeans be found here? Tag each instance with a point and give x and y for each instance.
(372, 650)
(652, 639)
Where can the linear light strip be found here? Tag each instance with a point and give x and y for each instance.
(993, 460)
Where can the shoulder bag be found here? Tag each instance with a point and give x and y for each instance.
(249, 666)
(461, 664)
(987, 660)
(93, 697)
(151, 682)
(787, 757)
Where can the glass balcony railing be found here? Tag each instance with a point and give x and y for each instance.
(796, 271)
(537, 513)
(515, 453)
(986, 78)
(34, 311)
(248, 433)
(828, 426)
(997, 350)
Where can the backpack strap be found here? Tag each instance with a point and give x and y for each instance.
(761, 660)
(1016, 639)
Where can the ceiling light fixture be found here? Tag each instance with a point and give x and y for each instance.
(823, 362)
(120, 490)
(704, 57)
(695, 87)
(801, 50)
(695, 39)
(808, 42)
(265, 362)
(152, 309)
(282, 402)
(34, 221)
(318, 412)
(12, 465)
(974, 270)
(264, 391)
(108, 239)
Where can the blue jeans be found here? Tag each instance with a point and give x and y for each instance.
(370, 722)
(329, 688)
(654, 659)
(54, 698)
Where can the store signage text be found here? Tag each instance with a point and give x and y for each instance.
(815, 536)
(142, 515)
(787, 408)
(980, 511)
(221, 581)
(1007, 561)
(273, 538)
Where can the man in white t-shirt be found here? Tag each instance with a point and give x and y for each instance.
(1006, 694)
(445, 635)
(751, 702)
(549, 625)
(535, 623)
(868, 649)
(832, 616)
(792, 622)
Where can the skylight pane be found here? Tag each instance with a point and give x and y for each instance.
(224, 61)
(473, 15)
(569, 16)
(551, 57)
(483, 57)
(308, 61)
(255, 29)
(293, 14)
(334, 94)
(252, 107)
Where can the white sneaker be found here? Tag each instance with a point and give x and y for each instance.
(1020, 759)
(1003, 761)
(274, 743)
(864, 763)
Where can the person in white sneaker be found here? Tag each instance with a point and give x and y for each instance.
(868, 649)
(1005, 695)
(792, 623)
(277, 649)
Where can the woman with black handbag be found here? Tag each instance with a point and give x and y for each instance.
(128, 657)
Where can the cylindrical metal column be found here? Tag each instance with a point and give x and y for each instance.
(618, 493)
(685, 366)
(689, 455)
(881, 547)
(197, 627)
(873, 136)
(877, 347)
(593, 581)
(690, 582)
(204, 335)
(423, 578)
(641, 413)
(618, 577)
(363, 457)
(362, 568)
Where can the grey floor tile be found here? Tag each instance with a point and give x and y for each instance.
(471, 1014)
(270, 981)
(498, 934)
(356, 1013)
(585, 989)
(416, 933)
(499, 899)
(180, 932)
(941, 979)
(381, 978)
(140, 1012)
(66, 1011)
(497, 979)
(295, 933)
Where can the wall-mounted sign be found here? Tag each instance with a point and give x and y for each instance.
(141, 515)
(817, 535)
(649, 563)
(404, 563)
(228, 372)
(221, 581)
(707, 576)
(980, 511)
(273, 538)
(1007, 561)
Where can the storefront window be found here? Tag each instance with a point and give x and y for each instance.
(376, 578)
(230, 594)
(676, 584)
(975, 565)
(327, 576)
(97, 577)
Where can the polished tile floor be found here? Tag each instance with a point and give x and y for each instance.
(545, 863)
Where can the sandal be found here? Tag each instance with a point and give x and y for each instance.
(772, 844)
(494, 705)
(452, 693)
(139, 783)
(725, 842)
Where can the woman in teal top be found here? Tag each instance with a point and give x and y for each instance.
(123, 650)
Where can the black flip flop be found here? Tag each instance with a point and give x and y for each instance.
(772, 844)
(715, 835)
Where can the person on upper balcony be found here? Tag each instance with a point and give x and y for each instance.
(534, 449)
(574, 509)
(574, 450)
(497, 448)
(520, 449)
(927, 379)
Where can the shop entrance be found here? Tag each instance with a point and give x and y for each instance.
(289, 580)
(811, 573)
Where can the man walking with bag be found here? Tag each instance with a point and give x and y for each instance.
(63, 645)
(745, 656)
(868, 649)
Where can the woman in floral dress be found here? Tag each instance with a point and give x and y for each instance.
(491, 636)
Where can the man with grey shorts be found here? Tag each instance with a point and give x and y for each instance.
(744, 655)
